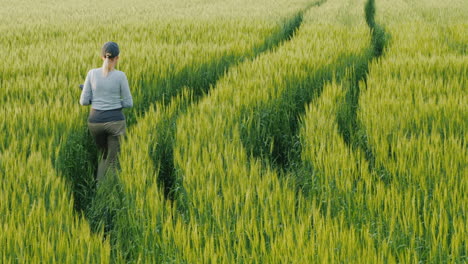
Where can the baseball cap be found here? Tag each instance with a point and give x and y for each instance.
(110, 49)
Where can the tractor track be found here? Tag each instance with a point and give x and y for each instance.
(350, 128)
(164, 156)
(76, 158)
(278, 144)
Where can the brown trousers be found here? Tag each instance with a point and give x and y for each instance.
(107, 137)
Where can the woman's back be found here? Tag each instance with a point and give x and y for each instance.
(106, 92)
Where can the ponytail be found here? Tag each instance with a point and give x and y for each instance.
(106, 66)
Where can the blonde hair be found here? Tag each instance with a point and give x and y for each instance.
(106, 66)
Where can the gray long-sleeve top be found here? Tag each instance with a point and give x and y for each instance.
(106, 93)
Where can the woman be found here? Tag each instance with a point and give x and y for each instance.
(106, 90)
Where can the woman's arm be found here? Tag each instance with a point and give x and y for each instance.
(127, 100)
(87, 93)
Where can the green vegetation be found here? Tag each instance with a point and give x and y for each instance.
(296, 132)
(415, 115)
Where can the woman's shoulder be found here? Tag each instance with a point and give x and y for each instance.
(92, 71)
(120, 74)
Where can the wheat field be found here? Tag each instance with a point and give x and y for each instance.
(301, 131)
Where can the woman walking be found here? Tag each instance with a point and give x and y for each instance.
(106, 90)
